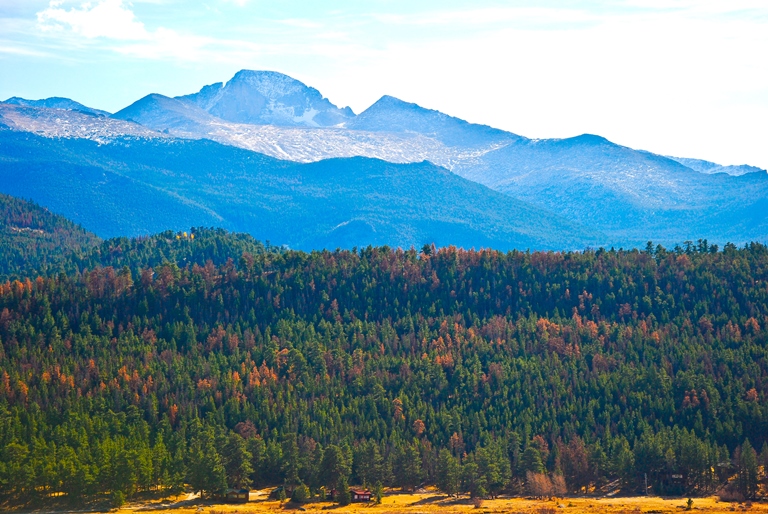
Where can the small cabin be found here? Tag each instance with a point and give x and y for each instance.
(237, 495)
(360, 495)
(672, 484)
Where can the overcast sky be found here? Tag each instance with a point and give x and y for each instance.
(677, 77)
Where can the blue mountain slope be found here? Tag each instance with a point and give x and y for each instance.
(56, 102)
(73, 180)
(711, 167)
(144, 186)
(630, 195)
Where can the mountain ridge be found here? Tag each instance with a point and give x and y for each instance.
(390, 114)
(56, 102)
(708, 167)
(629, 195)
(143, 186)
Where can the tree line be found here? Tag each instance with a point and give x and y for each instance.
(481, 372)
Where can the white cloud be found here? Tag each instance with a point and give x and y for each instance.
(114, 20)
(107, 18)
(166, 43)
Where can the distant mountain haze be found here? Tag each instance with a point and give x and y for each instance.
(268, 98)
(617, 195)
(56, 102)
(142, 186)
(390, 114)
(710, 167)
(67, 123)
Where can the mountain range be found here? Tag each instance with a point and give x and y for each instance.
(136, 186)
(268, 155)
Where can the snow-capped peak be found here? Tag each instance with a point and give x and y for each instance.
(268, 98)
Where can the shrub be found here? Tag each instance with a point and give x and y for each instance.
(538, 485)
(558, 485)
(118, 499)
(730, 493)
(300, 494)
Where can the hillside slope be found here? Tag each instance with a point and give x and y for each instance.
(141, 186)
(35, 241)
(33, 238)
(630, 195)
(398, 367)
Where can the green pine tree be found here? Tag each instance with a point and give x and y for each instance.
(206, 469)
(237, 462)
(748, 471)
(343, 496)
(448, 473)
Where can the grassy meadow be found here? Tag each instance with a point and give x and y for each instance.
(432, 501)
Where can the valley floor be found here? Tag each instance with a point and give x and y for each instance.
(427, 502)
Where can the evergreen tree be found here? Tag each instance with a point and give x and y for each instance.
(448, 473)
(471, 479)
(300, 494)
(367, 463)
(531, 461)
(748, 470)
(290, 459)
(409, 471)
(494, 467)
(177, 472)
(622, 461)
(343, 495)
(763, 459)
(237, 462)
(257, 449)
(206, 471)
(335, 467)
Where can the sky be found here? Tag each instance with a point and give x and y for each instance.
(677, 77)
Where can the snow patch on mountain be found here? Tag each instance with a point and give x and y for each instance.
(268, 97)
(55, 123)
(315, 144)
(56, 102)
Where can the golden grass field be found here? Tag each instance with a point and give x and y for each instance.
(431, 502)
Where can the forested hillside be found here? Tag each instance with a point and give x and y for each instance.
(479, 371)
(35, 241)
(33, 238)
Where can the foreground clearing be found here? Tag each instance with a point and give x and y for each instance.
(434, 502)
